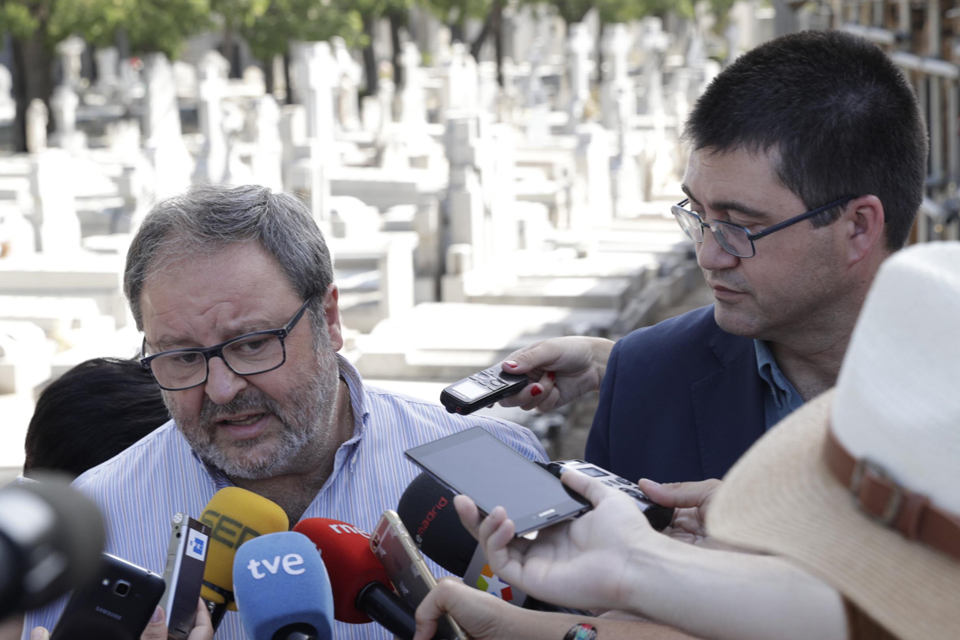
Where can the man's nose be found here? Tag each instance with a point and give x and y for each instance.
(222, 383)
(711, 256)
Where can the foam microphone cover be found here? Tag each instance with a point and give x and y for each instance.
(426, 509)
(351, 565)
(281, 585)
(235, 515)
(51, 538)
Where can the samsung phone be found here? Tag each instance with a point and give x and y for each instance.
(118, 606)
(409, 573)
(183, 575)
(481, 389)
(478, 465)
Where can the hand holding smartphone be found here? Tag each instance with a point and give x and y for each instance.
(408, 571)
(183, 575)
(118, 606)
(478, 465)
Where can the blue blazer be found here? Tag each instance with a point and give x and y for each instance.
(680, 401)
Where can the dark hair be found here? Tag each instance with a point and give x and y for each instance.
(209, 218)
(838, 114)
(91, 413)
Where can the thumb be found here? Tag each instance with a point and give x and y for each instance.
(39, 633)
(157, 627)
(680, 495)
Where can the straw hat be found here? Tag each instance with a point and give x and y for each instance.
(896, 409)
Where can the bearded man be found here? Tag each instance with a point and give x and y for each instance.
(233, 290)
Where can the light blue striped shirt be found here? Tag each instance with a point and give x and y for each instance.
(139, 490)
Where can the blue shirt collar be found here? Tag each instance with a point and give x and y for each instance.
(785, 396)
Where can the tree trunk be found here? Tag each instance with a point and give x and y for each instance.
(226, 48)
(456, 30)
(268, 79)
(31, 80)
(498, 39)
(369, 57)
(477, 45)
(286, 77)
(396, 21)
(603, 28)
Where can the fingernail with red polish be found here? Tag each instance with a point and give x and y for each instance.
(511, 364)
(536, 390)
(551, 375)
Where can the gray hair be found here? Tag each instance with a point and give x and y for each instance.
(208, 218)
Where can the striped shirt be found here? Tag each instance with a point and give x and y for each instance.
(139, 490)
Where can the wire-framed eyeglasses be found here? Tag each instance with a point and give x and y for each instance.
(245, 355)
(733, 238)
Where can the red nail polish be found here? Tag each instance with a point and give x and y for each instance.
(551, 375)
(511, 364)
(536, 391)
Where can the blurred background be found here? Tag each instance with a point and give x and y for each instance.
(488, 173)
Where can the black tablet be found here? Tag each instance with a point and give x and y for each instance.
(492, 474)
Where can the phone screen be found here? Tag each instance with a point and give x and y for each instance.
(478, 465)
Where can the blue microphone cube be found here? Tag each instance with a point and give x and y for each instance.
(279, 581)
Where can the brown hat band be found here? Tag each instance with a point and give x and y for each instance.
(879, 497)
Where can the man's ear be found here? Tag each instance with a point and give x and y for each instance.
(331, 313)
(865, 232)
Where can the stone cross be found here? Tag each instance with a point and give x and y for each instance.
(579, 46)
(617, 86)
(70, 51)
(267, 158)
(212, 83)
(107, 70)
(351, 73)
(413, 110)
(163, 137)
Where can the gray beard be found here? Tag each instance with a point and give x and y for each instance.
(306, 421)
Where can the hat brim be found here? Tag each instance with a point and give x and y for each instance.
(781, 498)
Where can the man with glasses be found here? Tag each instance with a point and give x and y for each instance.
(233, 290)
(807, 167)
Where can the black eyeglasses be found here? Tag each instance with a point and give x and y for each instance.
(245, 355)
(733, 238)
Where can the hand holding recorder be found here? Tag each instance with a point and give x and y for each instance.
(561, 370)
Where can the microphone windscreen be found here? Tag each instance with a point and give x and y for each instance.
(279, 580)
(235, 515)
(54, 536)
(351, 565)
(426, 509)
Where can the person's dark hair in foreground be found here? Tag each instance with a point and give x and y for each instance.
(92, 413)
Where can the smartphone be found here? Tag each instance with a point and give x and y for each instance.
(183, 574)
(409, 573)
(117, 606)
(481, 389)
(659, 516)
(477, 464)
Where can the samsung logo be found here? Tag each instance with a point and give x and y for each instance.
(109, 614)
(546, 513)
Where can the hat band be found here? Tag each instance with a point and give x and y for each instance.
(878, 496)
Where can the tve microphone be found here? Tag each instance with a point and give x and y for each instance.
(51, 538)
(361, 588)
(235, 515)
(282, 589)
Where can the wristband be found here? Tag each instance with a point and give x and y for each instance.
(581, 631)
